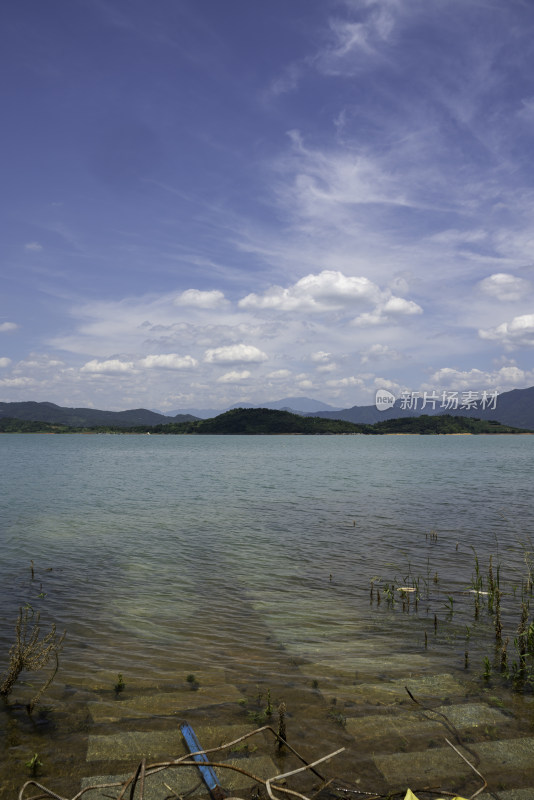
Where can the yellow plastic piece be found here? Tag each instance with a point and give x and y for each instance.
(410, 796)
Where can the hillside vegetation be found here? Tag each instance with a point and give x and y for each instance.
(265, 422)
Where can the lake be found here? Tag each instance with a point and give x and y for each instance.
(248, 561)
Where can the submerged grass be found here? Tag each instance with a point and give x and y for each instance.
(480, 608)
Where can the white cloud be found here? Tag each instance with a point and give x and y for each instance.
(504, 286)
(199, 299)
(353, 43)
(6, 327)
(5, 362)
(327, 367)
(235, 354)
(343, 382)
(326, 291)
(112, 365)
(234, 376)
(17, 382)
(476, 380)
(33, 246)
(320, 356)
(379, 351)
(279, 373)
(305, 384)
(519, 332)
(168, 361)
(400, 306)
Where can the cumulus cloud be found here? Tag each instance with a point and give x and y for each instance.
(279, 373)
(168, 361)
(379, 351)
(400, 306)
(387, 311)
(344, 382)
(16, 383)
(33, 246)
(327, 367)
(517, 333)
(329, 290)
(235, 354)
(505, 378)
(234, 376)
(200, 299)
(6, 327)
(320, 356)
(112, 365)
(5, 362)
(504, 286)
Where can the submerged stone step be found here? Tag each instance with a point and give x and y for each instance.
(157, 787)
(439, 765)
(131, 745)
(397, 729)
(182, 780)
(376, 662)
(162, 703)
(510, 794)
(425, 687)
(169, 745)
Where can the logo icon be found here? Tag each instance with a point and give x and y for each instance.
(384, 400)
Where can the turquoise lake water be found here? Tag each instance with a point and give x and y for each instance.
(162, 555)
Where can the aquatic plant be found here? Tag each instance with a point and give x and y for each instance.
(33, 765)
(281, 726)
(269, 706)
(31, 653)
(192, 681)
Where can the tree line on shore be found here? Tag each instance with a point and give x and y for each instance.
(263, 421)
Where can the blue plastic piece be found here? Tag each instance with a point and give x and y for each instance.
(208, 775)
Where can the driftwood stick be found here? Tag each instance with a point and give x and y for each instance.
(472, 767)
(49, 792)
(269, 781)
(144, 770)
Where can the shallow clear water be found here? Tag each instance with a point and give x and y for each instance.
(166, 555)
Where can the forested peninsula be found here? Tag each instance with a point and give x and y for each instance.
(263, 421)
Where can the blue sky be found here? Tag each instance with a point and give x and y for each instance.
(209, 202)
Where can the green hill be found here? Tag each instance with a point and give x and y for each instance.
(270, 422)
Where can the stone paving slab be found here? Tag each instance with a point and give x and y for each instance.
(379, 661)
(132, 745)
(426, 687)
(510, 794)
(163, 703)
(183, 779)
(399, 728)
(178, 780)
(438, 765)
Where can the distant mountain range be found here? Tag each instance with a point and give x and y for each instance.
(297, 405)
(86, 417)
(514, 408)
